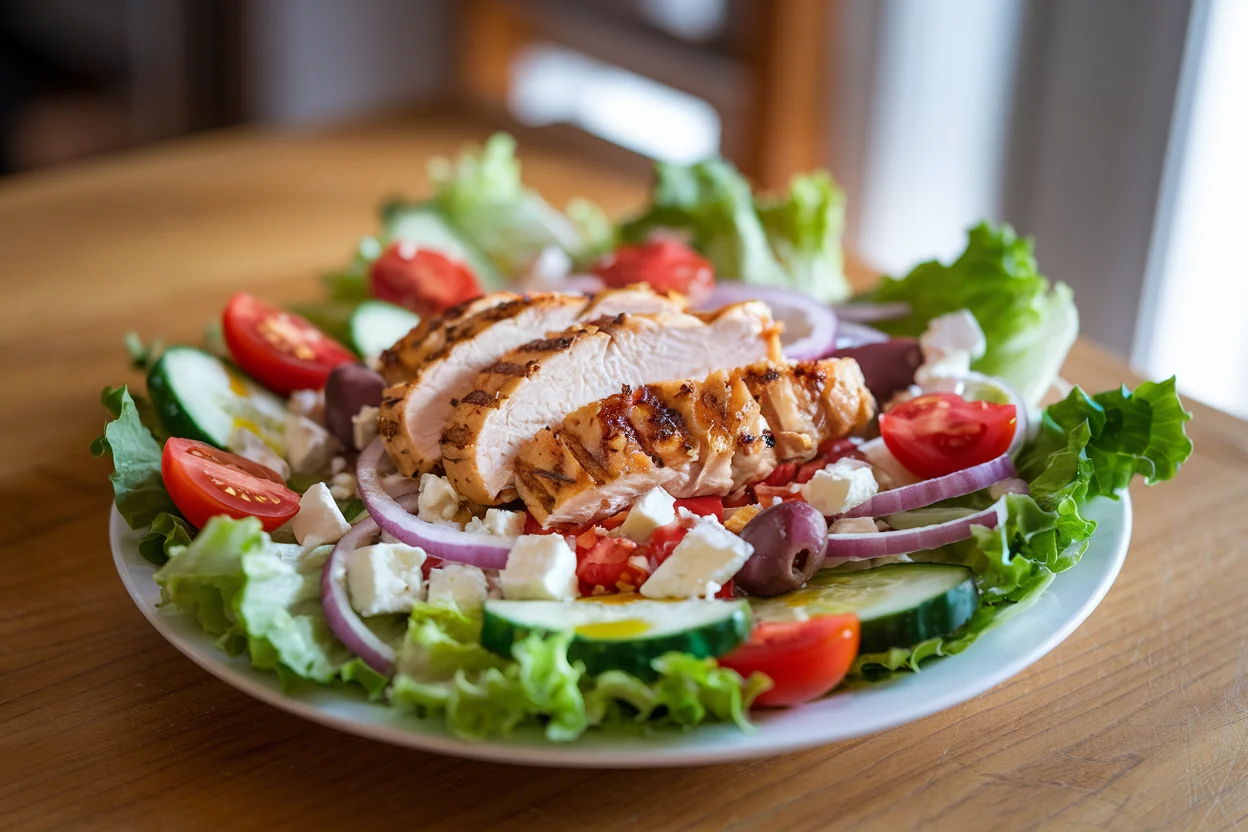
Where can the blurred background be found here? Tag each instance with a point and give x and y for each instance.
(1115, 132)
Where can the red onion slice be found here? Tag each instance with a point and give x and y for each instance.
(340, 615)
(934, 490)
(865, 313)
(809, 326)
(486, 551)
(842, 547)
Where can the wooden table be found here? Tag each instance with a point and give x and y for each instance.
(1135, 722)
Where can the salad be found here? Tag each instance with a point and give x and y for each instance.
(522, 466)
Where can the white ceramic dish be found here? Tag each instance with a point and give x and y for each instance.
(997, 656)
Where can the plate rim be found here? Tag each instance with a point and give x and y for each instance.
(545, 753)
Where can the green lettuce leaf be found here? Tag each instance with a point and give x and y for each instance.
(1029, 325)
(166, 532)
(1088, 446)
(793, 241)
(138, 488)
(444, 671)
(255, 597)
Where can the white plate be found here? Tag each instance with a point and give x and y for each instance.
(995, 657)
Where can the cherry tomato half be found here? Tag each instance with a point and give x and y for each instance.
(605, 564)
(667, 265)
(939, 433)
(805, 659)
(280, 349)
(703, 506)
(204, 481)
(421, 279)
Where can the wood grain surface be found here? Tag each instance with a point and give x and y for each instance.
(1136, 722)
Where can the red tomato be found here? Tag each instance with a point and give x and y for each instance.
(940, 433)
(280, 349)
(767, 493)
(421, 279)
(667, 265)
(782, 475)
(204, 482)
(829, 453)
(703, 506)
(663, 540)
(606, 564)
(805, 659)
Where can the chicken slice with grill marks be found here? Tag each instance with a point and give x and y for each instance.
(541, 383)
(691, 438)
(413, 412)
(403, 360)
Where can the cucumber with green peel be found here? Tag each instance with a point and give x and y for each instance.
(376, 325)
(199, 396)
(898, 605)
(610, 635)
(425, 225)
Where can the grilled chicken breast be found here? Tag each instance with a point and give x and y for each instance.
(403, 360)
(542, 382)
(414, 411)
(692, 438)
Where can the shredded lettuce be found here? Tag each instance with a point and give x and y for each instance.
(138, 488)
(1088, 446)
(257, 598)
(1030, 325)
(444, 671)
(793, 241)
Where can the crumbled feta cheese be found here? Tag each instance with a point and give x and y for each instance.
(337, 465)
(385, 578)
(438, 501)
(503, 523)
(889, 473)
(853, 525)
(309, 403)
(250, 446)
(950, 343)
(309, 447)
(319, 520)
(540, 567)
(342, 486)
(654, 509)
(705, 560)
(364, 426)
(458, 585)
(846, 483)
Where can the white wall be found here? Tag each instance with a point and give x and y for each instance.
(314, 62)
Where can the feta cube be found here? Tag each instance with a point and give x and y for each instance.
(247, 444)
(853, 525)
(438, 501)
(385, 578)
(889, 473)
(656, 508)
(540, 567)
(503, 523)
(950, 343)
(364, 426)
(309, 447)
(319, 520)
(458, 585)
(343, 486)
(310, 403)
(705, 560)
(840, 486)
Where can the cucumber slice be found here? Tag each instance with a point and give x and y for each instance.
(610, 635)
(376, 325)
(898, 605)
(201, 397)
(424, 224)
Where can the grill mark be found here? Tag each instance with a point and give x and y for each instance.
(387, 428)
(528, 476)
(391, 401)
(549, 344)
(458, 436)
(666, 423)
(480, 398)
(769, 439)
(554, 476)
(508, 368)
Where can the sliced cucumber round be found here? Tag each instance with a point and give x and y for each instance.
(609, 635)
(376, 325)
(201, 397)
(898, 605)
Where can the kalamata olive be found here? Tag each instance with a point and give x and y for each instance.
(887, 367)
(350, 387)
(790, 541)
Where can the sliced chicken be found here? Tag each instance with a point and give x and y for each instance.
(403, 360)
(692, 438)
(543, 381)
(414, 411)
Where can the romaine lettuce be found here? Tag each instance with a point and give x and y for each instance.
(138, 488)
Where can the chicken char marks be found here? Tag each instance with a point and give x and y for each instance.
(693, 438)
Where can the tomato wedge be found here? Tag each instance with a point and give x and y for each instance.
(421, 279)
(703, 506)
(606, 564)
(939, 433)
(204, 481)
(280, 349)
(804, 659)
(667, 265)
